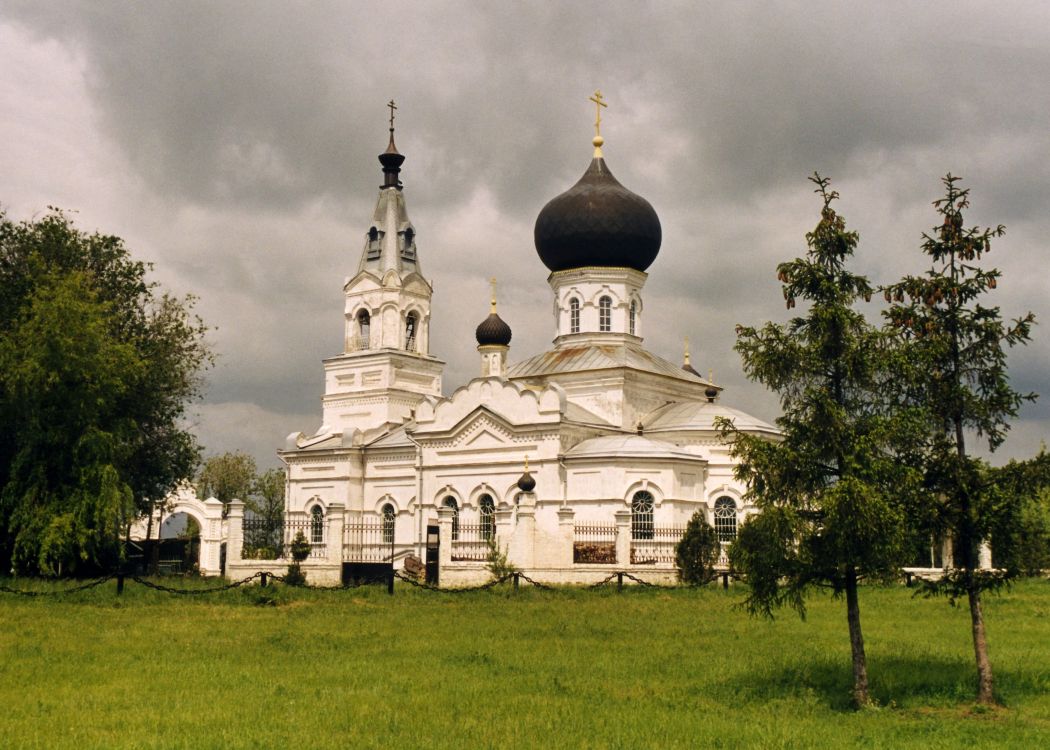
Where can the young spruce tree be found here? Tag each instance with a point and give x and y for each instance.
(829, 491)
(957, 366)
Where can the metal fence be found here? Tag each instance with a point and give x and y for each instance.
(472, 542)
(657, 547)
(364, 541)
(266, 539)
(594, 543)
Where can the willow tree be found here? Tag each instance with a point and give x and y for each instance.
(956, 355)
(830, 490)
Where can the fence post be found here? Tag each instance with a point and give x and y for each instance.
(619, 581)
(263, 577)
(623, 537)
(725, 580)
(390, 580)
(445, 537)
(120, 583)
(523, 543)
(235, 532)
(516, 580)
(336, 524)
(566, 537)
(211, 539)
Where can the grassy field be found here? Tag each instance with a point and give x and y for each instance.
(682, 668)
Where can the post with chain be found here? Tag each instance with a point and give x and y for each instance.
(725, 580)
(619, 582)
(120, 582)
(390, 580)
(517, 577)
(263, 578)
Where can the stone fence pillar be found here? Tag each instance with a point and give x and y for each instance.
(984, 556)
(522, 552)
(445, 536)
(336, 523)
(563, 557)
(623, 537)
(504, 525)
(235, 519)
(211, 538)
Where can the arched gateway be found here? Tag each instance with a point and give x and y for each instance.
(207, 514)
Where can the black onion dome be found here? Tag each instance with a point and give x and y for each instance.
(493, 331)
(597, 222)
(526, 483)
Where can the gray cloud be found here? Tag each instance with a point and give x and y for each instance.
(234, 144)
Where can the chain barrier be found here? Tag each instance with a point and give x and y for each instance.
(602, 582)
(305, 585)
(84, 587)
(537, 584)
(212, 590)
(462, 590)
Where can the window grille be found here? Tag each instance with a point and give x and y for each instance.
(605, 314)
(411, 324)
(450, 502)
(634, 310)
(642, 516)
(316, 525)
(388, 523)
(725, 519)
(574, 315)
(488, 517)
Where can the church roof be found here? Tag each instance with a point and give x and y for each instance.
(701, 416)
(600, 357)
(628, 446)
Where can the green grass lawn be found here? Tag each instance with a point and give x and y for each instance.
(568, 669)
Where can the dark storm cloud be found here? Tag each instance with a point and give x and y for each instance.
(253, 129)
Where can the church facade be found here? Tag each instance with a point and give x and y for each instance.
(588, 457)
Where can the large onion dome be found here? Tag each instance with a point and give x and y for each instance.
(493, 331)
(597, 222)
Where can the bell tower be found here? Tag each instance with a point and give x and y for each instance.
(386, 367)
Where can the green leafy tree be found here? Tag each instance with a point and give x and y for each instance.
(829, 490)
(266, 503)
(66, 383)
(957, 374)
(133, 430)
(1020, 536)
(228, 476)
(697, 552)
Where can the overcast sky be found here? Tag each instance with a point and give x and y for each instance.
(234, 144)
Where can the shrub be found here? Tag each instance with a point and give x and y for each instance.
(697, 552)
(300, 550)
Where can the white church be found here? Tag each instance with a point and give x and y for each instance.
(579, 460)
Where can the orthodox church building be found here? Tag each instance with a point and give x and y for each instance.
(592, 454)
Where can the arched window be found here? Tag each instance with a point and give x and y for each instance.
(388, 523)
(374, 248)
(408, 252)
(488, 517)
(574, 315)
(605, 314)
(317, 524)
(725, 519)
(450, 502)
(364, 329)
(642, 516)
(633, 314)
(411, 326)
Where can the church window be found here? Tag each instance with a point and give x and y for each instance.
(605, 314)
(317, 524)
(450, 502)
(374, 248)
(574, 315)
(633, 314)
(725, 519)
(642, 515)
(364, 329)
(388, 523)
(411, 326)
(488, 517)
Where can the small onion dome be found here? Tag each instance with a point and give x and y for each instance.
(526, 483)
(493, 331)
(711, 393)
(597, 222)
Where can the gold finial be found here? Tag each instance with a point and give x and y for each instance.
(686, 350)
(492, 281)
(711, 375)
(392, 108)
(598, 140)
(526, 463)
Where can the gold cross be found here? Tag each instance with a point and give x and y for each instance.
(392, 108)
(492, 281)
(598, 104)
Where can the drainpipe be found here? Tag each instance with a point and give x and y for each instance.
(564, 481)
(420, 536)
